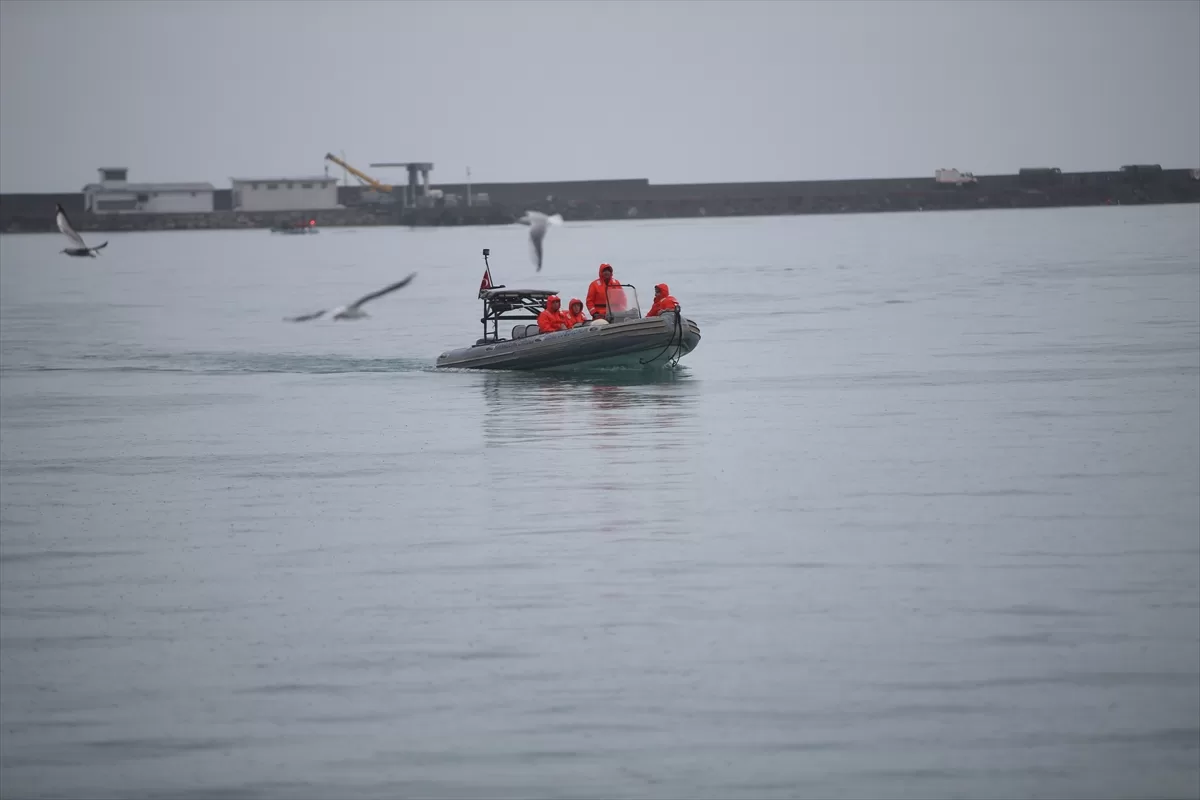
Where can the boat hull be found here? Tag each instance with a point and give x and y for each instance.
(647, 343)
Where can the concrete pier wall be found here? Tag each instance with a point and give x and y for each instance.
(625, 199)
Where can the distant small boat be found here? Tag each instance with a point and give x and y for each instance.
(300, 228)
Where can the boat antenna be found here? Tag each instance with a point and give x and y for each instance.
(487, 283)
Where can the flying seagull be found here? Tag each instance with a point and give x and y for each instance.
(354, 310)
(538, 222)
(64, 225)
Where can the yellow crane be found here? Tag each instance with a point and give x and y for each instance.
(362, 176)
(418, 174)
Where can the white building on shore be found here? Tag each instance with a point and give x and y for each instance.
(311, 193)
(114, 194)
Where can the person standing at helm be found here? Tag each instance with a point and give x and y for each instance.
(575, 315)
(605, 295)
(552, 318)
(663, 301)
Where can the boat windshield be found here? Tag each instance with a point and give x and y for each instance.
(623, 302)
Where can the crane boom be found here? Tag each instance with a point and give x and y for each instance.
(362, 176)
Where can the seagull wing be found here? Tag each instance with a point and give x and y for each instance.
(536, 235)
(64, 225)
(537, 232)
(305, 317)
(383, 291)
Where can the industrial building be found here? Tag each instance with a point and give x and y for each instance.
(284, 194)
(114, 194)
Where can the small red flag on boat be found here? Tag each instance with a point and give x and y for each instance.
(486, 283)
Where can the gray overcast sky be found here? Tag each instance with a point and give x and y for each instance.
(674, 91)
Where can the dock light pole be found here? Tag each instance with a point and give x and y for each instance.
(468, 187)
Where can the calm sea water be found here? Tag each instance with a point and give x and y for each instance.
(919, 518)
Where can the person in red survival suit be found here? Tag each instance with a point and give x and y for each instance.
(663, 301)
(575, 315)
(605, 295)
(552, 318)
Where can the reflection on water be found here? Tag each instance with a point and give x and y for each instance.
(609, 411)
(623, 430)
(678, 377)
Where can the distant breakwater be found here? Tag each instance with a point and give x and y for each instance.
(233, 220)
(639, 199)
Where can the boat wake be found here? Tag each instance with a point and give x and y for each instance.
(200, 363)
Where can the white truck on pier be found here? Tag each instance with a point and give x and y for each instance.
(953, 177)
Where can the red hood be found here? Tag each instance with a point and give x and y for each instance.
(575, 301)
(663, 288)
(600, 272)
